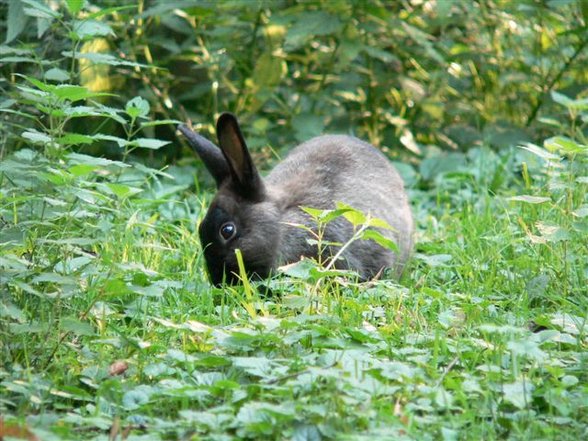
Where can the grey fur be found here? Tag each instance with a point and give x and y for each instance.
(317, 173)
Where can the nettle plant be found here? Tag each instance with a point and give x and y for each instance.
(364, 228)
(321, 275)
(319, 279)
(59, 104)
(60, 97)
(555, 218)
(55, 112)
(57, 204)
(54, 117)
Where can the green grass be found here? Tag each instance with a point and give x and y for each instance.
(483, 338)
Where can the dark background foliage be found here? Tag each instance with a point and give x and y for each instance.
(404, 75)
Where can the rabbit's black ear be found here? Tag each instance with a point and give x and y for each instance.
(247, 179)
(210, 154)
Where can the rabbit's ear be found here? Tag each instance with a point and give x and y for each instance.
(247, 179)
(210, 154)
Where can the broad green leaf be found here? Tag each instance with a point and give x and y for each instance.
(55, 202)
(74, 6)
(106, 11)
(8, 310)
(36, 137)
(399, 371)
(4, 49)
(161, 122)
(75, 139)
(121, 142)
(379, 223)
(75, 93)
(115, 287)
(541, 152)
(268, 71)
(79, 158)
(101, 58)
(137, 397)
(560, 98)
(16, 20)
(257, 366)
(56, 74)
(447, 433)
(432, 167)
(82, 241)
(380, 54)
(581, 212)
(213, 361)
(154, 290)
(40, 84)
(81, 111)
(527, 347)
(380, 239)
(518, 393)
(28, 328)
(296, 301)
(552, 232)
(82, 169)
(354, 216)
(67, 266)
(315, 213)
(443, 398)
(78, 327)
(298, 270)
(121, 190)
(18, 59)
(87, 29)
(137, 107)
(317, 273)
(571, 324)
(39, 9)
(530, 199)
(569, 380)
(148, 143)
(43, 25)
(565, 145)
(450, 318)
(435, 260)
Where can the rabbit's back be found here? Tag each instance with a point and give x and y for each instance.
(338, 168)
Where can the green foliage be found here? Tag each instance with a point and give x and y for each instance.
(108, 327)
(402, 75)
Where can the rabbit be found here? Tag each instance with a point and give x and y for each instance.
(259, 215)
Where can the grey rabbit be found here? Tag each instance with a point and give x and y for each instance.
(256, 215)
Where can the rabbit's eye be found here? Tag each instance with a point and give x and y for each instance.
(227, 230)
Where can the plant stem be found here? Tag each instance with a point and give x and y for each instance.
(346, 245)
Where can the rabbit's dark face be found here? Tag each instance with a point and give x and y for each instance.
(241, 215)
(251, 227)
